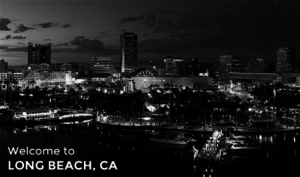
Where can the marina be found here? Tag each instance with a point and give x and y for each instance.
(133, 142)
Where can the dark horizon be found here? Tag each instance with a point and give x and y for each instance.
(193, 29)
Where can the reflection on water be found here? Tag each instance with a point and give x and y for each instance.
(136, 156)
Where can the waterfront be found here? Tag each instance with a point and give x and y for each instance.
(134, 155)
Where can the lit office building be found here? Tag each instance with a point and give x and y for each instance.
(169, 66)
(286, 59)
(128, 45)
(39, 54)
(257, 65)
(3, 66)
(236, 64)
(173, 66)
(82, 69)
(192, 67)
(101, 65)
(225, 64)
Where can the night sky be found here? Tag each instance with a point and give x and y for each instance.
(79, 30)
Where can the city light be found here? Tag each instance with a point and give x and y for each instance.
(146, 118)
(112, 78)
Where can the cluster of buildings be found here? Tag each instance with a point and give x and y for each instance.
(230, 66)
(284, 69)
(285, 63)
(39, 62)
(178, 67)
(231, 63)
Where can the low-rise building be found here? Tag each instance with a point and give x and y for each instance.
(256, 77)
(292, 79)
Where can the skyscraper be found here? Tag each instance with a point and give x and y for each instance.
(174, 66)
(225, 64)
(3, 66)
(286, 59)
(192, 67)
(246, 65)
(101, 65)
(236, 64)
(169, 66)
(128, 42)
(39, 54)
(257, 65)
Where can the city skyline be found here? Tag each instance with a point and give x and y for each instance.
(196, 29)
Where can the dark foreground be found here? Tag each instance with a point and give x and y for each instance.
(134, 155)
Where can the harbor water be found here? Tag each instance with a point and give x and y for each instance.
(134, 155)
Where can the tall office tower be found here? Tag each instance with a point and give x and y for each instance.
(174, 66)
(81, 68)
(192, 67)
(101, 65)
(179, 66)
(169, 66)
(286, 59)
(257, 65)
(236, 64)
(39, 54)
(225, 64)
(128, 45)
(246, 65)
(3, 66)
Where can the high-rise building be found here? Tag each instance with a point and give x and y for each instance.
(192, 67)
(82, 69)
(3, 66)
(169, 66)
(286, 59)
(236, 64)
(246, 65)
(225, 64)
(174, 66)
(101, 65)
(257, 65)
(39, 54)
(128, 45)
(179, 66)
